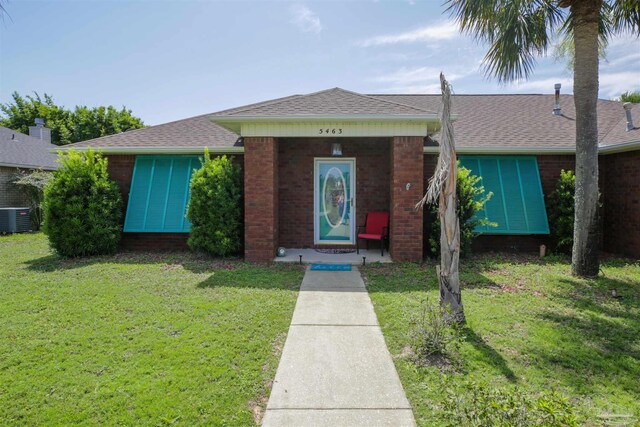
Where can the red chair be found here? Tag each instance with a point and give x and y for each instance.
(376, 228)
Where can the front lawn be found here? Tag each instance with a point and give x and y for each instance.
(531, 327)
(137, 339)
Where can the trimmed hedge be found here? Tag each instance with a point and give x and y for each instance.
(471, 198)
(82, 207)
(561, 212)
(215, 207)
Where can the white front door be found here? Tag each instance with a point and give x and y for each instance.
(334, 201)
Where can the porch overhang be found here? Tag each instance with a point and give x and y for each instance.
(330, 126)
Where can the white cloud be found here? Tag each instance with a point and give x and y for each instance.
(443, 31)
(305, 19)
(614, 83)
(542, 85)
(415, 80)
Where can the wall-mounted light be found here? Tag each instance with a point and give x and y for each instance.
(336, 149)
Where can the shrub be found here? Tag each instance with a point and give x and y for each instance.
(483, 405)
(471, 199)
(436, 338)
(82, 206)
(215, 208)
(561, 212)
(33, 183)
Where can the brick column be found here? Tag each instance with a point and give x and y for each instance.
(407, 159)
(260, 198)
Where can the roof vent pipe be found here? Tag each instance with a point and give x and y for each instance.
(627, 110)
(557, 111)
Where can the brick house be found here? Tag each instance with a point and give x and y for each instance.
(315, 164)
(23, 153)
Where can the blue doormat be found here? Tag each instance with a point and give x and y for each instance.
(331, 267)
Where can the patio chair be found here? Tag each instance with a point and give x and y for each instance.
(376, 227)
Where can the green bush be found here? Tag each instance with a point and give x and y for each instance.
(477, 404)
(471, 199)
(215, 208)
(561, 206)
(82, 206)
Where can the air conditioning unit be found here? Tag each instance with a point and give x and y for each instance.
(14, 220)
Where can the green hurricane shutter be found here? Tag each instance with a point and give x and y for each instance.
(517, 205)
(159, 194)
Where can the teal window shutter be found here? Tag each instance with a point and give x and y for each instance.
(517, 205)
(159, 194)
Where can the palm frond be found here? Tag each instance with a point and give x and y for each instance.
(517, 30)
(625, 16)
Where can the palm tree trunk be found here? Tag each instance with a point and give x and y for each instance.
(585, 14)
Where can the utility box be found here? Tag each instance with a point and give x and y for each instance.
(15, 220)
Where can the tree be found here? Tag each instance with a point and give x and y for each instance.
(517, 32)
(33, 183)
(632, 97)
(66, 126)
(215, 207)
(442, 187)
(82, 206)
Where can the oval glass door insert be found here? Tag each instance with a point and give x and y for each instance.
(335, 197)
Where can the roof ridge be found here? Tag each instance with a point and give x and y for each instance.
(280, 100)
(389, 102)
(256, 104)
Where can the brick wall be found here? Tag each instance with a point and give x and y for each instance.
(296, 169)
(550, 167)
(620, 186)
(11, 196)
(261, 198)
(120, 169)
(407, 161)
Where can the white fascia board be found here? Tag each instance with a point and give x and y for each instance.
(156, 150)
(619, 148)
(235, 123)
(609, 149)
(505, 150)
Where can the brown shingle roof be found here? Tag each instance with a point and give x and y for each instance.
(334, 101)
(194, 132)
(484, 121)
(519, 121)
(619, 134)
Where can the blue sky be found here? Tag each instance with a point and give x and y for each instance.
(168, 60)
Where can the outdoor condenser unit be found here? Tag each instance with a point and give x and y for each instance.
(14, 220)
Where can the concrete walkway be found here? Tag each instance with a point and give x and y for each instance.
(335, 368)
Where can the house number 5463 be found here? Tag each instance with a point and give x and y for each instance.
(333, 131)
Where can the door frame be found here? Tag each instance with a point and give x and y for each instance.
(353, 201)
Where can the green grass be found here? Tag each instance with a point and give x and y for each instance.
(137, 339)
(531, 326)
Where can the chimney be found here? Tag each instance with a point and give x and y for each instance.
(40, 132)
(557, 111)
(627, 110)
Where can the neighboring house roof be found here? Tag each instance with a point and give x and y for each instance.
(484, 122)
(24, 151)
